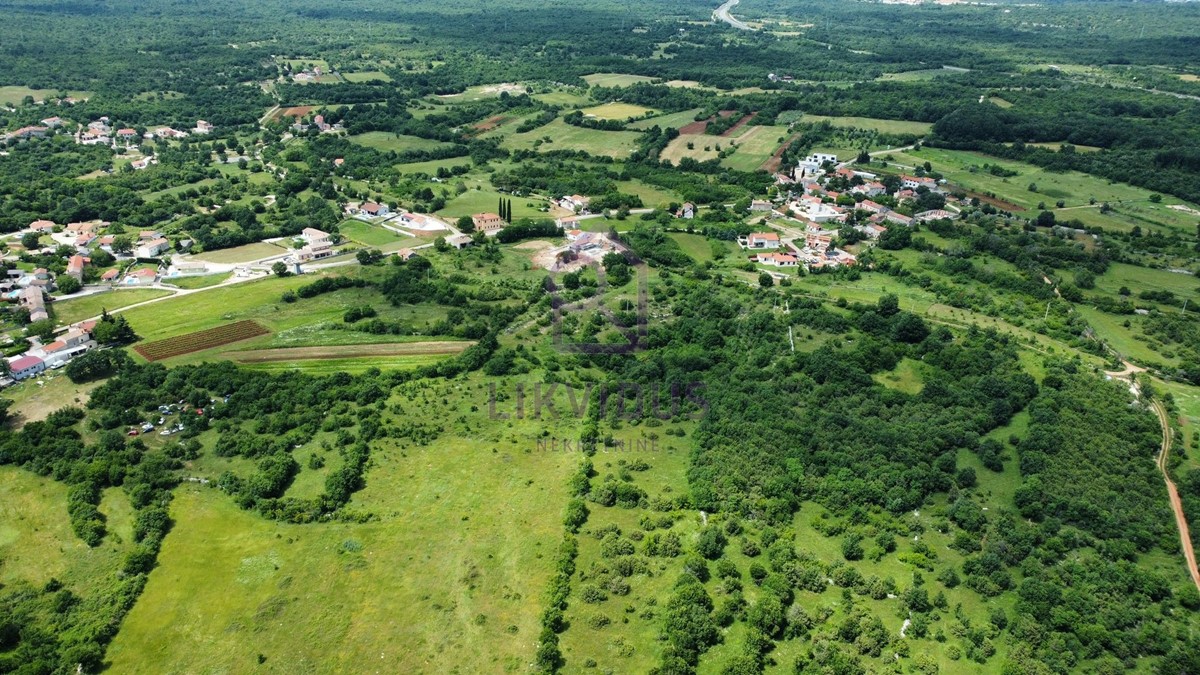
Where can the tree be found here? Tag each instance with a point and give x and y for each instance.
(122, 244)
(765, 280)
(369, 256)
(113, 331)
(68, 284)
(280, 269)
(96, 364)
(31, 241)
(465, 224)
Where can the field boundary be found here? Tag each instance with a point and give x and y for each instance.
(433, 348)
(200, 340)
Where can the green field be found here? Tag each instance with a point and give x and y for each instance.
(430, 168)
(755, 146)
(652, 196)
(617, 111)
(614, 79)
(487, 201)
(1126, 341)
(697, 246)
(882, 126)
(566, 98)
(1139, 279)
(558, 135)
(353, 366)
(13, 95)
(198, 281)
(484, 514)
(78, 309)
(241, 254)
(367, 76)
(669, 120)
(367, 234)
(385, 142)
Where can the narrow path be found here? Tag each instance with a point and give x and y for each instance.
(1185, 538)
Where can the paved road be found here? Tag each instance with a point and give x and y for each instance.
(722, 14)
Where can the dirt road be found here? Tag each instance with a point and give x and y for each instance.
(1189, 552)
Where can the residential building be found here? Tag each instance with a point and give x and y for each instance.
(488, 223)
(373, 209)
(26, 367)
(761, 240)
(459, 240)
(33, 299)
(777, 259)
(312, 235)
(153, 248)
(75, 266)
(687, 211)
(934, 214)
(914, 182)
(760, 205)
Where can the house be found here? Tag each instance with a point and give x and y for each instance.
(25, 133)
(92, 138)
(312, 235)
(871, 230)
(139, 164)
(870, 206)
(572, 235)
(459, 241)
(75, 266)
(914, 182)
(110, 275)
(687, 211)
(406, 253)
(83, 241)
(761, 240)
(26, 367)
(760, 205)
(34, 300)
(488, 223)
(140, 276)
(127, 136)
(777, 259)
(190, 267)
(905, 194)
(42, 225)
(898, 218)
(319, 123)
(871, 189)
(575, 202)
(934, 214)
(166, 133)
(820, 158)
(75, 337)
(373, 209)
(567, 223)
(202, 127)
(52, 122)
(153, 248)
(149, 235)
(339, 161)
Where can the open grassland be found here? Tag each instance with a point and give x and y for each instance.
(703, 148)
(197, 281)
(667, 121)
(351, 365)
(37, 543)
(558, 135)
(367, 76)
(565, 97)
(13, 95)
(450, 576)
(907, 377)
(487, 201)
(755, 146)
(652, 196)
(35, 398)
(78, 309)
(696, 246)
(1139, 279)
(1128, 342)
(292, 354)
(617, 111)
(241, 254)
(385, 141)
(882, 126)
(614, 79)
(367, 234)
(430, 168)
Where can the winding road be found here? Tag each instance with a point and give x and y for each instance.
(722, 14)
(1189, 552)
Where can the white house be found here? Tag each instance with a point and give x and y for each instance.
(26, 366)
(760, 240)
(153, 248)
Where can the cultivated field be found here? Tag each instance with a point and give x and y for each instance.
(558, 135)
(755, 147)
(13, 95)
(669, 120)
(349, 351)
(614, 79)
(200, 340)
(882, 126)
(385, 141)
(369, 235)
(617, 111)
(241, 254)
(367, 76)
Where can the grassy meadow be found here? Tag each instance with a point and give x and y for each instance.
(78, 309)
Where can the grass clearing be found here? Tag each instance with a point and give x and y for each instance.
(702, 148)
(907, 377)
(368, 234)
(241, 254)
(1124, 340)
(617, 111)
(697, 246)
(13, 95)
(615, 79)
(367, 76)
(384, 141)
(667, 121)
(78, 309)
(558, 135)
(485, 201)
(198, 281)
(565, 98)
(351, 365)
(755, 147)
(485, 514)
(652, 196)
(880, 125)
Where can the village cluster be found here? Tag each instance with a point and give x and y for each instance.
(808, 198)
(103, 132)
